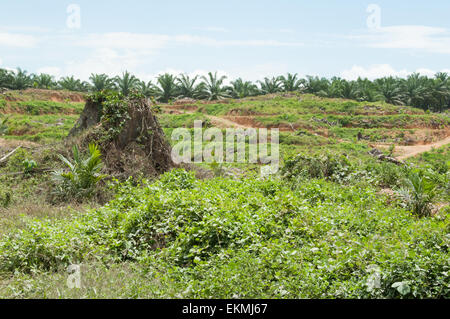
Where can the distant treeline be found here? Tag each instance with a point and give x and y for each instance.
(416, 90)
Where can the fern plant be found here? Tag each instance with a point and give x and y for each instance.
(83, 175)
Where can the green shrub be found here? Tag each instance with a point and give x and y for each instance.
(83, 175)
(178, 179)
(387, 174)
(418, 193)
(15, 162)
(325, 166)
(28, 166)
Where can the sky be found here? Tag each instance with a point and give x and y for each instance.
(246, 38)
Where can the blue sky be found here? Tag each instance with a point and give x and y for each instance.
(246, 38)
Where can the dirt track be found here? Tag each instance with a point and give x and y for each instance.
(410, 151)
(404, 151)
(220, 122)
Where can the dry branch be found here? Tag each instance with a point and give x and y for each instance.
(5, 158)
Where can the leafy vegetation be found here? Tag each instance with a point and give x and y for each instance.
(247, 238)
(418, 193)
(335, 223)
(3, 125)
(80, 180)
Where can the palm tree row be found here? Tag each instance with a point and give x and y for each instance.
(416, 90)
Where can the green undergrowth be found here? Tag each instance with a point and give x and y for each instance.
(247, 238)
(48, 128)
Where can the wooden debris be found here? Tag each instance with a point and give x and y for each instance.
(4, 159)
(382, 157)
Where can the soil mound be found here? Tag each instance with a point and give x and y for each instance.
(128, 133)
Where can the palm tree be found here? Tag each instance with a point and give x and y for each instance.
(414, 90)
(187, 87)
(167, 89)
(290, 83)
(83, 174)
(213, 88)
(390, 90)
(72, 84)
(101, 82)
(43, 81)
(126, 83)
(272, 85)
(6, 79)
(314, 84)
(347, 89)
(21, 80)
(147, 89)
(241, 89)
(366, 90)
(440, 91)
(418, 193)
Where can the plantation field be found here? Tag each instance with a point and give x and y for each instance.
(335, 222)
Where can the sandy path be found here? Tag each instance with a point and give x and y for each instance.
(413, 150)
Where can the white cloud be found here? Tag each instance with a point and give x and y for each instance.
(382, 70)
(24, 29)
(372, 72)
(190, 39)
(123, 40)
(17, 40)
(431, 39)
(126, 40)
(212, 29)
(103, 60)
(116, 52)
(260, 71)
(51, 70)
(286, 30)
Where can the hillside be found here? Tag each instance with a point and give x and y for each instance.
(335, 222)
